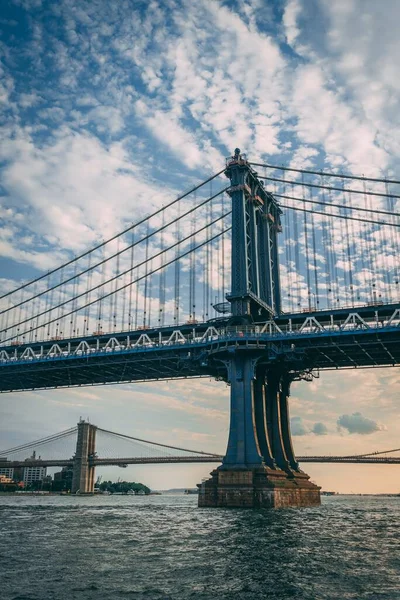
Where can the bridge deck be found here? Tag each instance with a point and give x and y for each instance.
(352, 338)
(103, 462)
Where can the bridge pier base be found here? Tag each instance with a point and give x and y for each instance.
(259, 469)
(257, 488)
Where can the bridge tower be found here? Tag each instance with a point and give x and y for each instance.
(259, 468)
(83, 471)
(255, 286)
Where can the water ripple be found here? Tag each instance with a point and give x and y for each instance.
(165, 548)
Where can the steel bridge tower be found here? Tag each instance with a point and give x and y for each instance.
(259, 468)
(255, 286)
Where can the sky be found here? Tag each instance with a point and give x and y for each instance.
(108, 110)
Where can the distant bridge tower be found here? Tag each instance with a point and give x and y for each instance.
(83, 471)
(259, 467)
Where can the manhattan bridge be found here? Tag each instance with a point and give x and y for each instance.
(259, 276)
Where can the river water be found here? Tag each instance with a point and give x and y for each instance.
(164, 547)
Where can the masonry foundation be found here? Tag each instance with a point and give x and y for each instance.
(258, 488)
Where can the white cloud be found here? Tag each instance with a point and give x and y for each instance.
(357, 423)
(298, 427)
(290, 15)
(320, 429)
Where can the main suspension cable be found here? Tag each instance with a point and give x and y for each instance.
(124, 286)
(316, 212)
(334, 205)
(114, 237)
(325, 174)
(326, 187)
(40, 442)
(105, 260)
(129, 437)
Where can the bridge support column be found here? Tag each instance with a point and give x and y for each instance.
(83, 471)
(259, 468)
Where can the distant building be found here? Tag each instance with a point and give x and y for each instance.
(63, 479)
(32, 474)
(5, 480)
(5, 471)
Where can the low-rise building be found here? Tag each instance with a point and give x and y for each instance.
(5, 480)
(8, 472)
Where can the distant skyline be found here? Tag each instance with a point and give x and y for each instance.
(109, 109)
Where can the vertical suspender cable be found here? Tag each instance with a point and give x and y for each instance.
(137, 299)
(333, 245)
(87, 296)
(192, 294)
(314, 256)
(306, 245)
(297, 258)
(161, 280)
(394, 246)
(328, 272)
(116, 296)
(131, 285)
(146, 279)
(223, 250)
(370, 244)
(384, 244)
(348, 242)
(150, 278)
(210, 256)
(124, 298)
(20, 308)
(286, 229)
(177, 269)
(100, 294)
(207, 278)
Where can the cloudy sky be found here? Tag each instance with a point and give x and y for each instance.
(109, 109)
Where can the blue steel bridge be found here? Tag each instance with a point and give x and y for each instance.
(258, 276)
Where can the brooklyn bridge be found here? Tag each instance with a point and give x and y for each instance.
(87, 446)
(258, 276)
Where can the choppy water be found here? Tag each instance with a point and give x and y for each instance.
(164, 547)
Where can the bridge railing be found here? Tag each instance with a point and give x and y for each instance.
(179, 337)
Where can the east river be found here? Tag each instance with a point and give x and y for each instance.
(164, 547)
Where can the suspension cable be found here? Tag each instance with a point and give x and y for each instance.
(105, 260)
(111, 279)
(128, 284)
(316, 212)
(129, 437)
(326, 187)
(114, 237)
(373, 453)
(325, 174)
(40, 442)
(334, 205)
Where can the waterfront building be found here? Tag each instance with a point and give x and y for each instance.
(7, 472)
(5, 480)
(63, 479)
(32, 474)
